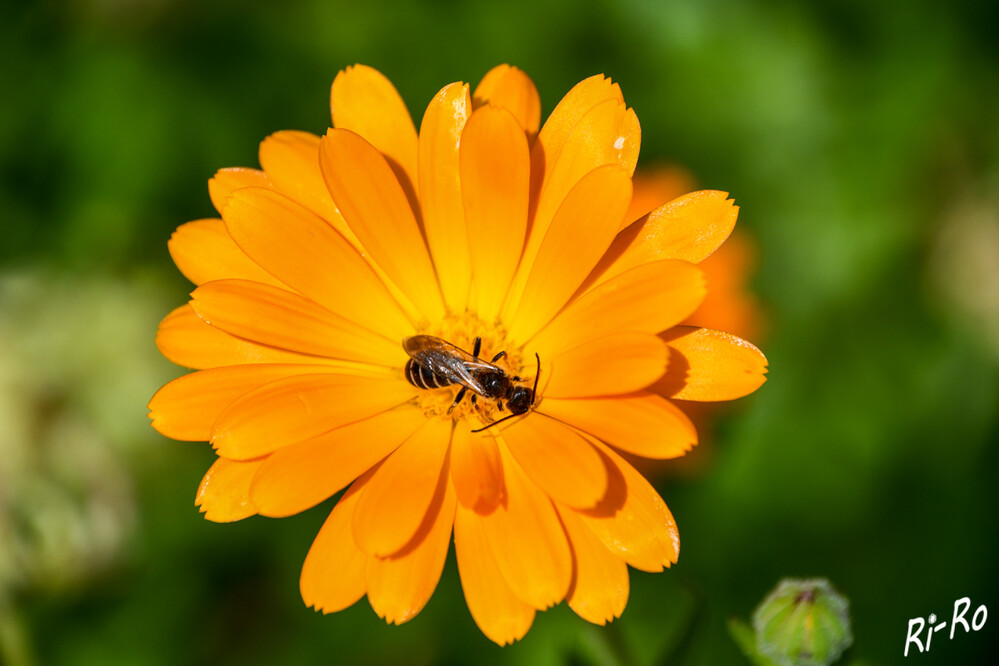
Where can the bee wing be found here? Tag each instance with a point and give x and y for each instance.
(443, 358)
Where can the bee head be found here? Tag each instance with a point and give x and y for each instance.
(521, 399)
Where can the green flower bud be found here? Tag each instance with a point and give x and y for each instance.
(803, 623)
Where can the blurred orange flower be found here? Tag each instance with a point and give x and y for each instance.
(484, 225)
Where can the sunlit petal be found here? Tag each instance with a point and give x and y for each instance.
(510, 88)
(374, 205)
(226, 181)
(600, 583)
(363, 101)
(527, 540)
(333, 574)
(498, 612)
(296, 408)
(279, 318)
(398, 495)
(204, 251)
(642, 423)
(476, 470)
(440, 191)
(495, 176)
(224, 494)
(709, 365)
(299, 476)
(618, 363)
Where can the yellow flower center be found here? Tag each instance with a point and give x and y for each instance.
(461, 331)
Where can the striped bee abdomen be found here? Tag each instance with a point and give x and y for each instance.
(422, 378)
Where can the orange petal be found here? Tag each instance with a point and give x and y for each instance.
(373, 203)
(495, 176)
(511, 89)
(633, 521)
(527, 540)
(709, 365)
(656, 186)
(204, 251)
(291, 160)
(397, 498)
(476, 470)
(580, 233)
(607, 134)
(501, 616)
(280, 318)
(399, 587)
(333, 573)
(619, 363)
(226, 181)
(187, 407)
(440, 191)
(224, 494)
(187, 340)
(647, 299)
(643, 423)
(363, 101)
(600, 585)
(689, 228)
(299, 247)
(558, 128)
(297, 408)
(302, 475)
(562, 464)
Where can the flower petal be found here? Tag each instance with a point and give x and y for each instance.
(373, 203)
(619, 363)
(562, 464)
(291, 160)
(689, 228)
(299, 476)
(298, 247)
(365, 102)
(511, 89)
(528, 541)
(204, 251)
(633, 521)
(606, 134)
(708, 365)
(600, 584)
(580, 233)
(642, 423)
(188, 340)
(476, 470)
(297, 408)
(495, 177)
(224, 494)
(400, 586)
(440, 191)
(226, 181)
(498, 612)
(647, 299)
(396, 499)
(333, 573)
(186, 408)
(283, 319)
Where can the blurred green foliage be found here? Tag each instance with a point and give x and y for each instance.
(849, 133)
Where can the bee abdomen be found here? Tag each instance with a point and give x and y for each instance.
(422, 378)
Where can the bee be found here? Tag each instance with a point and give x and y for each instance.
(435, 363)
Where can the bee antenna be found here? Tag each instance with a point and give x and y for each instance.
(505, 418)
(537, 375)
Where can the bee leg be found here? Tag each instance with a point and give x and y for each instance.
(475, 399)
(478, 347)
(457, 398)
(499, 403)
(498, 356)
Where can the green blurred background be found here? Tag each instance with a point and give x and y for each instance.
(861, 141)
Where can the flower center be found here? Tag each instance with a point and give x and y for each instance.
(462, 331)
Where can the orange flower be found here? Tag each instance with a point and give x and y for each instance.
(483, 225)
